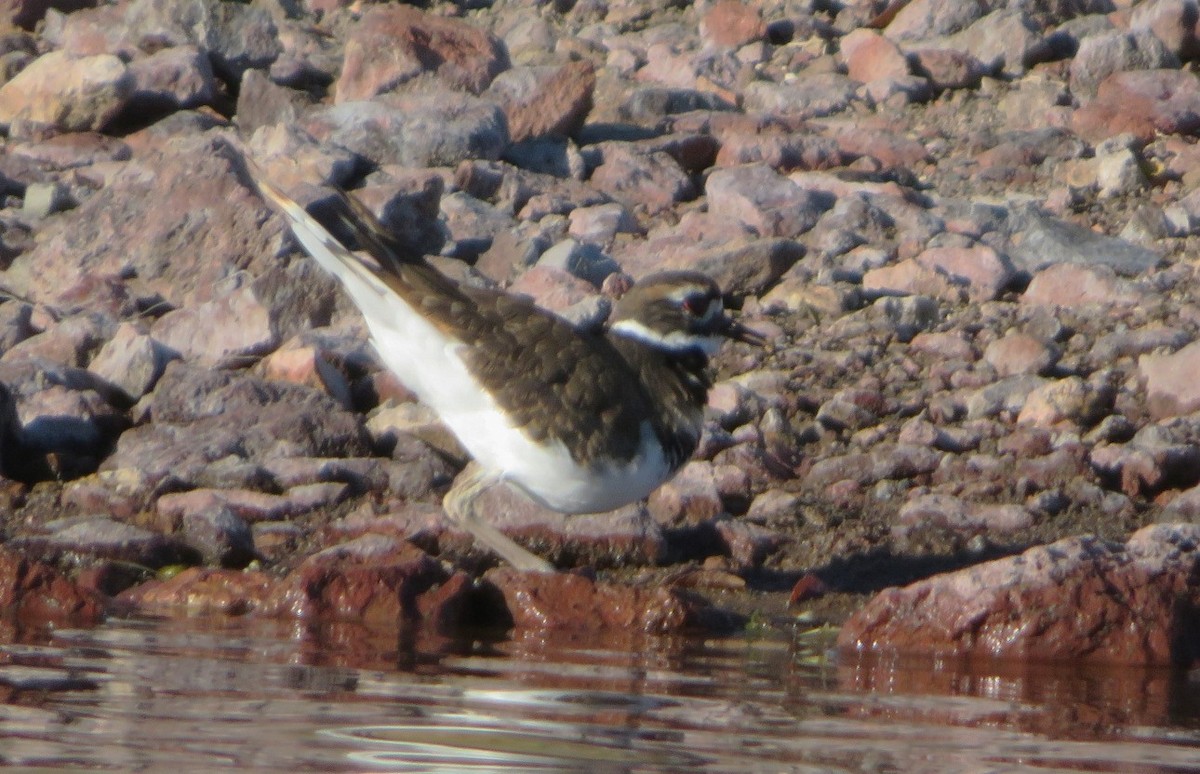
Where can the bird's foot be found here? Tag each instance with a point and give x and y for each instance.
(459, 504)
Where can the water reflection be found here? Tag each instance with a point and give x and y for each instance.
(275, 696)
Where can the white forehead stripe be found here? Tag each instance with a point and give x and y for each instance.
(680, 295)
(675, 341)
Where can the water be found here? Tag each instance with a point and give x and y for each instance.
(183, 696)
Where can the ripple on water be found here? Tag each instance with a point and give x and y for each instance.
(288, 696)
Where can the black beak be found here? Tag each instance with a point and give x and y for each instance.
(738, 332)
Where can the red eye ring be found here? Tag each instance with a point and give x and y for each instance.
(697, 305)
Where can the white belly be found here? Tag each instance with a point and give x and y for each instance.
(428, 362)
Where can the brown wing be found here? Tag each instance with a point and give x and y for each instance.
(557, 382)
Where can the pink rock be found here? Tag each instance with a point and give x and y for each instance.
(732, 24)
(1081, 599)
(891, 149)
(67, 93)
(691, 497)
(64, 342)
(626, 536)
(394, 44)
(869, 56)
(651, 183)
(545, 101)
(738, 263)
(668, 66)
(551, 288)
(948, 68)
(310, 366)
(920, 19)
(130, 361)
(985, 272)
(779, 149)
(746, 544)
(231, 330)
(1019, 353)
(174, 507)
(110, 236)
(600, 223)
(908, 277)
(179, 77)
(1099, 56)
(1073, 285)
(947, 345)
(1172, 388)
(765, 201)
(955, 513)
(1141, 102)
(1172, 21)
(1065, 400)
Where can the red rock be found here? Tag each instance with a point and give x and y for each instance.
(447, 606)
(1141, 102)
(1080, 599)
(1072, 285)
(383, 590)
(869, 56)
(36, 593)
(732, 23)
(203, 591)
(1172, 388)
(394, 44)
(808, 587)
(549, 601)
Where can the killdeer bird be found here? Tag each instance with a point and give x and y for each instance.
(581, 422)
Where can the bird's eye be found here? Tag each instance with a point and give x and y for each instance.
(696, 304)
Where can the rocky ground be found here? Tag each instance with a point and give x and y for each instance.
(966, 228)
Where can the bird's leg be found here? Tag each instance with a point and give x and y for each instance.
(459, 504)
